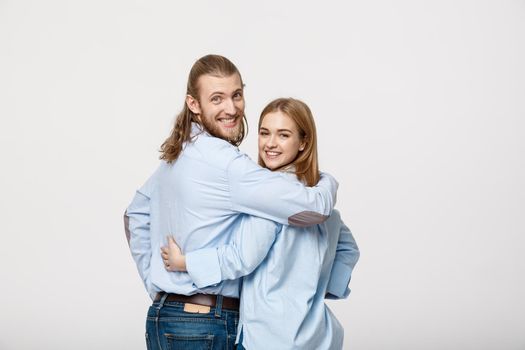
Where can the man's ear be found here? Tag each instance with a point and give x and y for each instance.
(193, 105)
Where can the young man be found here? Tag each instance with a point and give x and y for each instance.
(198, 194)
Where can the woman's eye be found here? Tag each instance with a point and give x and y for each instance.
(284, 136)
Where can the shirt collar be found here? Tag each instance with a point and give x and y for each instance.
(197, 129)
(290, 169)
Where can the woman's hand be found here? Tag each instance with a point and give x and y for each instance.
(172, 256)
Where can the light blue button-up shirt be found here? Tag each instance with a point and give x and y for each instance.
(199, 199)
(282, 301)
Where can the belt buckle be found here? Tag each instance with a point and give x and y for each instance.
(196, 308)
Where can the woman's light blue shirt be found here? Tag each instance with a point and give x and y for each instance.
(292, 271)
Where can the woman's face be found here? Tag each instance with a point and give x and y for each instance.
(279, 140)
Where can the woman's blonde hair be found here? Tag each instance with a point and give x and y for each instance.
(306, 163)
(214, 65)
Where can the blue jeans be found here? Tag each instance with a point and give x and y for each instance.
(169, 327)
(239, 346)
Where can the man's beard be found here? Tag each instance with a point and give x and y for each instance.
(214, 130)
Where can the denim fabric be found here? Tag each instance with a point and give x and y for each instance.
(168, 327)
(239, 345)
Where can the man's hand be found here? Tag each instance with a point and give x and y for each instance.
(172, 256)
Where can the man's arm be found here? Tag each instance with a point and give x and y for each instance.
(346, 256)
(137, 227)
(273, 195)
(251, 242)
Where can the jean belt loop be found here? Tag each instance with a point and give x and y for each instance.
(162, 300)
(218, 306)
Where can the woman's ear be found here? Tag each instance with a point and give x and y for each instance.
(302, 145)
(193, 105)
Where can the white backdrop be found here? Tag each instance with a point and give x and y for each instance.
(420, 111)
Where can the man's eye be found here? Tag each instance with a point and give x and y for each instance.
(216, 99)
(237, 96)
(263, 133)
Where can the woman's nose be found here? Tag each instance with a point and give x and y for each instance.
(271, 142)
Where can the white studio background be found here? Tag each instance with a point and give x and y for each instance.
(420, 111)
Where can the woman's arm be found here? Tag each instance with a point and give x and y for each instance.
(250, 245)
(346, 256)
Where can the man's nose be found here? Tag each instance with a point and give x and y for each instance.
(229, 107)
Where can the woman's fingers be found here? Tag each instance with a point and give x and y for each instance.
(171, 250)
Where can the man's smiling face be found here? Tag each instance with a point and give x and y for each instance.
(220, 108)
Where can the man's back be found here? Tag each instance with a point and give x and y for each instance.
(195, 208)
(190, 200)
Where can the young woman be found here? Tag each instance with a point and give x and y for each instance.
(288, 270)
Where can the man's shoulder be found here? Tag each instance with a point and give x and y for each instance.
(214, 150)
(204, 140)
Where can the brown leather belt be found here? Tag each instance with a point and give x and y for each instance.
(201, 299)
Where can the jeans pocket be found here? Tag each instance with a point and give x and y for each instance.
(189, 342)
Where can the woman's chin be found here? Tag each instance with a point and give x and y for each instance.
(274, 165)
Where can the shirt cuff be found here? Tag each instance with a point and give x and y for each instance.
(339, 279)
(203, 267)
